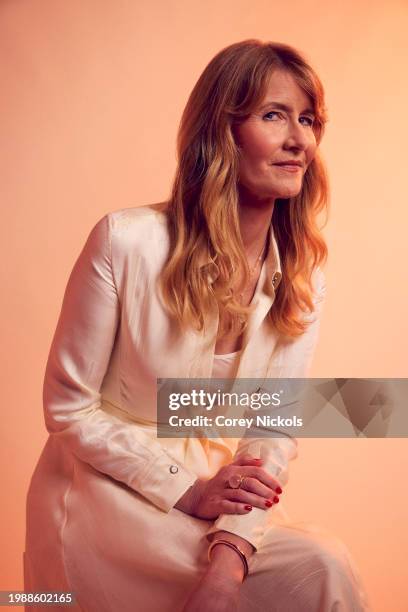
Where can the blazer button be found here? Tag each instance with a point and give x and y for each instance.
(173, 469)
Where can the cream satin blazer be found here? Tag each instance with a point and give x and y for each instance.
(114, 338)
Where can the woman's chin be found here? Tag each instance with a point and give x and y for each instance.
(285, 195)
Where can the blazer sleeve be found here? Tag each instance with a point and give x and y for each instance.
(78, 360)
(279, 450)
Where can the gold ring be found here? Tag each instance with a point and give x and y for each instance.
(235, 481)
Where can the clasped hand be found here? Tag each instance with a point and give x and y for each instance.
(207, 499)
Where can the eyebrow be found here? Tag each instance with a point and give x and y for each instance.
(285, 107)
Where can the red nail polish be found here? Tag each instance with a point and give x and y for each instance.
(278, 490)
(276, 499)
(268, 503)
(248, 507)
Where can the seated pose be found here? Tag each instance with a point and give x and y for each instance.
(223, 280)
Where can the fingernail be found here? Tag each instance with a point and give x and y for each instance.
(278, 490)
(268, 503)
(276, 499)
(248, 507)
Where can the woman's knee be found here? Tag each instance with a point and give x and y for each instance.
(302, 551)
(327, 554)
(299, 570)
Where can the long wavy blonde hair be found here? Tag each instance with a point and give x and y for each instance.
(202, 211)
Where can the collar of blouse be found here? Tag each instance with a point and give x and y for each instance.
(272, 265)
(269, 279)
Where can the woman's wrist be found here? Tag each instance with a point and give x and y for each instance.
(227, 561)
(243, 544)
(189, 500)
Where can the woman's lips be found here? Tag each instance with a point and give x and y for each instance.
(288, 168)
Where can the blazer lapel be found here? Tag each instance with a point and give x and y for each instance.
(264, 297)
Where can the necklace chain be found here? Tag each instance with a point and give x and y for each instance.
(258, 259)
(252, 272)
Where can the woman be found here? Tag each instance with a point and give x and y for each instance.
(223, 280)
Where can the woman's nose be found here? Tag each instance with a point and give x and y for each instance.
(297, 136)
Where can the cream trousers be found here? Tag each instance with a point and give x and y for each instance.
(90, 534)
(297, 569)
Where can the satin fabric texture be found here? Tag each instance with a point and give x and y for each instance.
(100, 508)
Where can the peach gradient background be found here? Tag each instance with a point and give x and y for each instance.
(91, 95)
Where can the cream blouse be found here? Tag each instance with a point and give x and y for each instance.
(225, 366)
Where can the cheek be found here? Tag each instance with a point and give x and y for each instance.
(256, 145)
(312, 148)
(311, 152)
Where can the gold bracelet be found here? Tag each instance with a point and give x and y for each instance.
(234, 547)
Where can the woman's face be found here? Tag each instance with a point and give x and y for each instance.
(280, 129)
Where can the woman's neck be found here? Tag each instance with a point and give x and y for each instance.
(254, 224)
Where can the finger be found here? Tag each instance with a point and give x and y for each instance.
(247, 459)
(245, 497)
(253, 485)
(231, 507)
(263, 476)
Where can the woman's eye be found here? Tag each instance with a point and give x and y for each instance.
(309, 120)
(272, 113)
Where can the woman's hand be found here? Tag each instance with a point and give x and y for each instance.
(207, 499)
